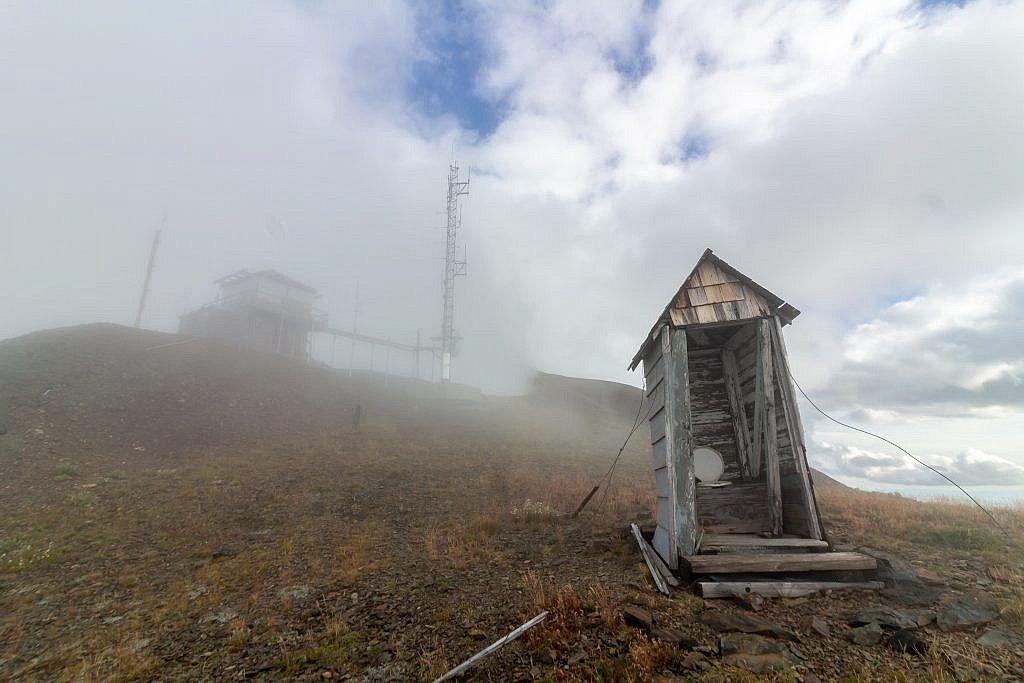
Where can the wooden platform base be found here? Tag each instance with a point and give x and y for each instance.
(780, 589)
(757, 563)
(751, 543)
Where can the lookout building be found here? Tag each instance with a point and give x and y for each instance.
(264, 310)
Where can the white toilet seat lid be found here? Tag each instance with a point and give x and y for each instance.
(708, 465)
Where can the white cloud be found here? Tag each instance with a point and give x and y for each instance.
(968, 468)
(954, 350)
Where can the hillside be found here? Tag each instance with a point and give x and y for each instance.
(196, 511)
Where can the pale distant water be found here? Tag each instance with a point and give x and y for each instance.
(1002, 496)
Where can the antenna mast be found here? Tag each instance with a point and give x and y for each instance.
(149, 273)
(453, 267)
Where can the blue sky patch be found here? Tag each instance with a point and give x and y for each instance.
(444, 83)
(694, 147)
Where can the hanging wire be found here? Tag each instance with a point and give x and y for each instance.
(908, 453)
(608, 475)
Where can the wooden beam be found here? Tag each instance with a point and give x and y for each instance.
(735, 541)
(781, 589)
(796, 431)
(680, 436)
(741, 563)
(771, 438)
(730, 376)
(741, 336)
(757, 434)
(648, 554)
(492, 648)
(700, 337)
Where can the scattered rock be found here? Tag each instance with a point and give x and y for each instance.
(673, 635)
(901, 580)
(816, 624)
(635, 615)
(929, 577)
(750, 601)
(296, 593)
(221, 617)
(577, 658)
(966, 613)
(198, 590)
(745, 623)
(997, 637)
(865, 635)
(810, 678)
(476, 633)
(905, 640)
(696, 661)
(759, 654)
(893, 618)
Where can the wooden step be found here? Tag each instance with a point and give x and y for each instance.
(751, 543)
(745, 563)
(781, 589)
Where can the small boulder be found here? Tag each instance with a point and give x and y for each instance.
(637, 616)
(893, 618)
(866, 635)
(929, 577)
(673, 635)
(997, 637)
(745, 623)
(816, 624)
(965, 613)
(905, 640)
(760, 655)
(750, 601)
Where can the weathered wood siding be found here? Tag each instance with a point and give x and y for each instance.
(709, 408)
(713, 295)
(666, 371)
(741, 508)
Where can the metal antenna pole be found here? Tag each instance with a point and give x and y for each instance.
(453, 267)
(355, 330)
(149, 274)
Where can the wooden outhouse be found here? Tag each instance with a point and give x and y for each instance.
(728, 448)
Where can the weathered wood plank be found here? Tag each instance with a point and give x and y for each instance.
(657, 424)
(780, 589)
(795, 429)
(740, 508)
(771, 443)
(737, 563)
(647, 554)
(656, 399)
(659, 452)
(749, 540)
(737, 414)
(653, 373)
(680, 441)
(757, 435)
(663, 481)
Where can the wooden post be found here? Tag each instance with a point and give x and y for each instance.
(730, 377)
(796, 430)
(679, 437)
(357, 416)
(770, 439)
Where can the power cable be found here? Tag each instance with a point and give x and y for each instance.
(908, 453)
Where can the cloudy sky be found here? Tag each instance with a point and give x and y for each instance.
(861, 159)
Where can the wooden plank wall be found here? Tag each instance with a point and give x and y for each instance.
(712, 420)
(680, 437)
(654, 376)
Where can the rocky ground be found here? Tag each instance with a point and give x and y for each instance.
(195, 512)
